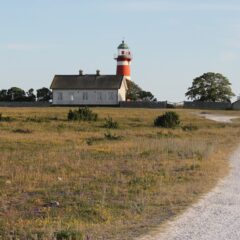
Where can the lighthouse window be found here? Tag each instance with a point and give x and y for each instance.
(85, 96)
(122, 52)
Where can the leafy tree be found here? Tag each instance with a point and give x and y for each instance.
(30, 95)
(3, 95)
(44, 94)
(135, 93)
(147, 96)
(210, 87)
(16, 94)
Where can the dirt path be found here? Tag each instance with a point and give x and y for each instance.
(216, 216)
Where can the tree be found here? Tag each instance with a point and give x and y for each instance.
(210, 87)
(135, 93)
(30, 95)
(16, 94)
(147, 96)
(3, 95)
(44, 94)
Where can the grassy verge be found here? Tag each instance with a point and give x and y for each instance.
(59, 178)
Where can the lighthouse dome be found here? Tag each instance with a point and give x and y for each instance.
(123, 45)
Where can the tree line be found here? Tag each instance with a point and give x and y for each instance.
(17, 94)
(209, 87)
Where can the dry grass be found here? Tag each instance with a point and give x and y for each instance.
(57, 175)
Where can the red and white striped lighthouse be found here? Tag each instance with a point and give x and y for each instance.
(124, 59)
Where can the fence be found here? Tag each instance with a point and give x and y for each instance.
(143, 104)
(208, 105)
(25, 104)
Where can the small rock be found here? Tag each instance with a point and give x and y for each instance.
(54, 204)
(8, 182)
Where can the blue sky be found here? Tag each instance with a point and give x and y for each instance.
(172, 41)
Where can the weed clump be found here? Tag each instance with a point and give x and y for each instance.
(82, 114)
(189, 128)
(68, 235)
(109, 123)
(36, 119)
(24, 131)
(167, 120)
(92, 140)
(110, 136)
(5, 119)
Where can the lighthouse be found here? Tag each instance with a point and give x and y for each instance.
(124, 59)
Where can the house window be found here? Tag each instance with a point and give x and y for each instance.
(110, 96)
(71, 96)
(99, 96)
(85, 95)
(60, 96)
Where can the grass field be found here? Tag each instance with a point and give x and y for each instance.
(61, 178)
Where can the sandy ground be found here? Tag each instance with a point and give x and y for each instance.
(219, 118)
(216, 216)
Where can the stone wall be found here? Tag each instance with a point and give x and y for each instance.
(208, 105)
(143, 104)
(25, 104)
(236, 105)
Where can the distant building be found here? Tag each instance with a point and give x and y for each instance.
(88, 89)
(94, 89)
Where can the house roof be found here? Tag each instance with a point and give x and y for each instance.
(87, 82)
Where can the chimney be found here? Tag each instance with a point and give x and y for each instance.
(80, 72)
(98, 72)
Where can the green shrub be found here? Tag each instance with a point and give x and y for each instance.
(109, 123)
(68, 235)
(82, 114)
(167, 120)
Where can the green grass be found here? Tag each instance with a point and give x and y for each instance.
(61, 177)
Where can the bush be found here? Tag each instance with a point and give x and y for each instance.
(167, 120)
(109, 123)
(82, 114)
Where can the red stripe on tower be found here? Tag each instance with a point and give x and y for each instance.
(124, 59)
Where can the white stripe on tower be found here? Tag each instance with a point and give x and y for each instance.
(123, 63)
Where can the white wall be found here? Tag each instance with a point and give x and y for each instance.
(88, 97)
(122, 92)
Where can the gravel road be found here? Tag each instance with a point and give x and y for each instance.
(216, 216)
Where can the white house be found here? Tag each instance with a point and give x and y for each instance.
(89, 89)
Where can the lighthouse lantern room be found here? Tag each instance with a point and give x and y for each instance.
(124, 59)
